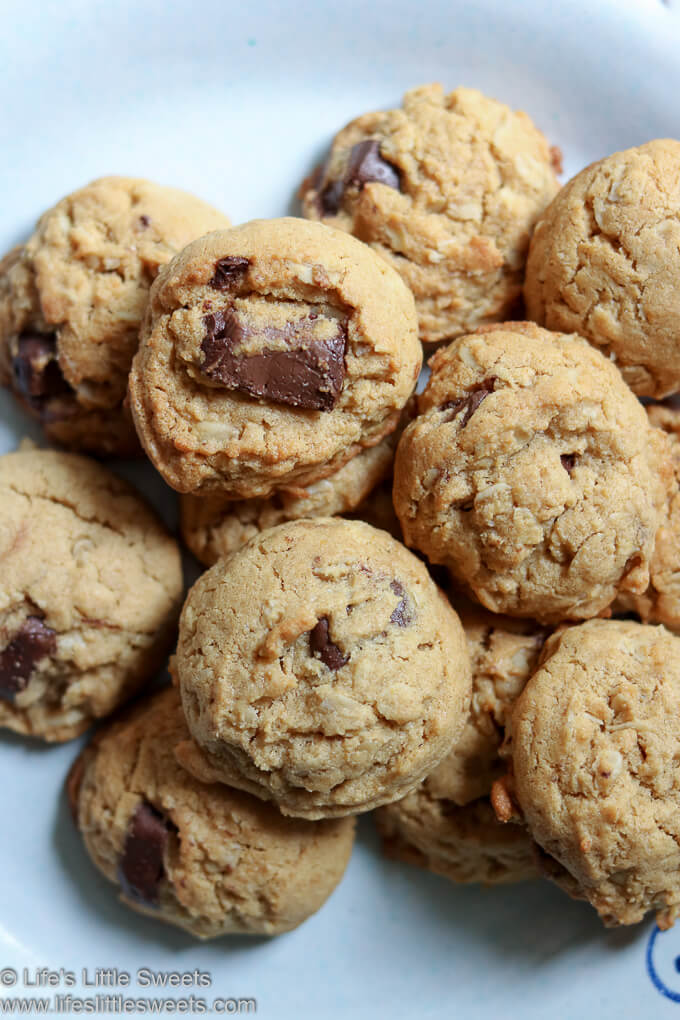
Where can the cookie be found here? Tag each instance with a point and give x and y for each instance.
(464, 844)
(271, 355)
(72, 301)
(213, 527)
(533, 474)
(595, 750)
(90, 591)
(322, 668)
(447, 190)
(660, 603)
(206, 858)
(447, 823)
(605, 262)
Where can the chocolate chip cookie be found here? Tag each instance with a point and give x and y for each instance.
(447, 190)
(533, 474)
(447, 823)
(596, 745)
(207, 858)
(271, 355)
(605, 263)
(90, 589)
(72, 300)
(322, 668)
(213, 527)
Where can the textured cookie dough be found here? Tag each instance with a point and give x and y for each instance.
(72, 301)
(213, 527)
(271, 355)
(661, 602)
(320, 667)
(447, 190)
(207, 858)
(447, 824)
(464, 844)
(596, 746)
(90, 589)
(533, 474)
(605, 262)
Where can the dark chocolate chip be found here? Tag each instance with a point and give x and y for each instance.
(320, 641)
(403, 614)
(37, 376)
(330, 198)
(469, 403)
(32, 642)
(228, 271)
(144, 220)
(568, 461)
(366, 164)
(141, 867)
(310, 374)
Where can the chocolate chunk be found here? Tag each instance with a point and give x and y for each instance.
(329, 653)
(366, 164)
(330, 198)
(469, 403)
(32, 642)
(568, 460)
(403, 614)
(145, 221)
(228, 271)
(37, 376)
(310, 374)
(141, 868)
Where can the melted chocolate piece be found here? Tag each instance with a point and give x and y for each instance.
(228, 271)
(366, 164)
(32, 642)
(402, 615)
(141, 867)
(568, 460)
(329, 653)
(37, 376)
(310, 374)
(330, 199)
(469, 403)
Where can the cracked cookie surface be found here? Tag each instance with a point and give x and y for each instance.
(533, 474)
(271, 355)
(72, 300)
(595, 750)
(447, 823)
(605, 262)
(447, 190)
(207, 858)
(90, 589)
(320, 667)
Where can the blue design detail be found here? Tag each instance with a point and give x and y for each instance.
(651, 970)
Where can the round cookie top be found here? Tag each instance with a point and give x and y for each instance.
(532, 474)
(207, 858)
(447, 190)
(90, 587)
(596, 746)
(271, 354)
(72, 300)
(213, 526)
(321, 667)
(605, 262)
(462, 843)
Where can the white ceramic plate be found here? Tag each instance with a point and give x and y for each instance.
(236, 102)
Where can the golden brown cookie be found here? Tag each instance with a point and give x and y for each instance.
(605, 262)
(447, 190)
(72, 301)
(322, 668)
(533, 474)
(596, 746)
(90, 589)
(271, 355)
(207, 858)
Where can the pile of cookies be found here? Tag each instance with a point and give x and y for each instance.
(505, 696)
